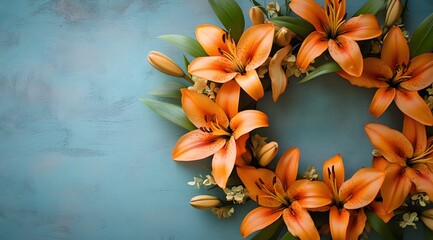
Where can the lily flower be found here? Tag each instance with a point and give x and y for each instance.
(279, 194)
(397, 78)
(334, 33)
(346, 217)
(406, 157)
(220, 132)
(228, 60)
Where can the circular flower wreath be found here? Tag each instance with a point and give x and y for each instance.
(231, 70)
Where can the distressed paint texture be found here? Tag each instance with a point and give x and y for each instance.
(82, 158)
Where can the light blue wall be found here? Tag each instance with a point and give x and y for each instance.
(82, 158)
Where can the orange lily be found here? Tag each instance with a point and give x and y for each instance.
(347, 217)
(406, 157)
(280, 194)
(228, 60)
(221, 130)
(397, 78)
(334, 33)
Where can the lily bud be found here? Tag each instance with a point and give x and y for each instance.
(283, 37)
(204, 202)
(393, 12)
(256, 15)
(427, 218)
(267, 153)
(164, 64)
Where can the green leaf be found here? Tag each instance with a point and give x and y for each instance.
(371, 7)
(230, 15)
(289, 236)
(296, 25)
(185, 61)
(169, 89)
(270, 232)
(324, 69)
(421, 41)
(185, 43)
(379, 225)
(171, 112)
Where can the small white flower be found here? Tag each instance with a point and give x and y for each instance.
(311, 173)
(421, 199)
(409, 219)
(236, 194)
(197, 182)
(209, 181)
(224, 212)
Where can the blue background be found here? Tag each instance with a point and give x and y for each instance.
(82, 158)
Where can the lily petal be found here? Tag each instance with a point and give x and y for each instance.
(223, 162)
(287, 167)
(243, 156)
(211, 38)
(251, 176)
(196, 145)
(258, 219)
(246, 121)
(338, 223)
(217, 69)
(335, 166)
(228, 98)
(313, 46)
(392, 144)
(310, 11)
(299, 222)
(277, 73)
(374, 71)
(411, 104)
(356, 224)
(255, 45)
(361, 188)
(416, 134)
(361, 27)
(422, 177)
(251, 84)
(420, 70)
(199, 108)
(395, 50)
(395, 187)
(379, 163)
(310, 194)
(347, 54)
(377, 208)
(381, 100)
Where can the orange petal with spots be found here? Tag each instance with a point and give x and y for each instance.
(252, 177)
(243, 156)
(379, 163)
(251, 84)
(246, 121)
(421, 72)
(422, 177)
(277, 73)
(416, 134)
(392, 144)
(197, 145)
(411, 104)
(361, 27)
(228, 98)
(310, 11)
(313, 46)
(347, 54)
(395, 187)
(287, 167)
(395, 50)
(338, 223)
(258, 219)
(310, 194)
(223, 162)
(361, 188)
(374, 74)
(255, 45)
(199, 109)
(299, 222)
(211, 38)
(335, 166)
(381, 101)
(217, 69)
(356, 224)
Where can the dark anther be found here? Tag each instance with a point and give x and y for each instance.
(329, 172)
(258, 185)
(261, 181)
(274, 180)
(224, 38)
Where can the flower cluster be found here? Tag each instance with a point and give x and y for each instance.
(232, 68)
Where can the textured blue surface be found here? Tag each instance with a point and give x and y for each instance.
(82, 158)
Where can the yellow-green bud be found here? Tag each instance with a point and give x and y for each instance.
(204, 202)
(256, 15)
(393, 12)
(267, 153)
(164, 64)
(427, 218)
(283, 37)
